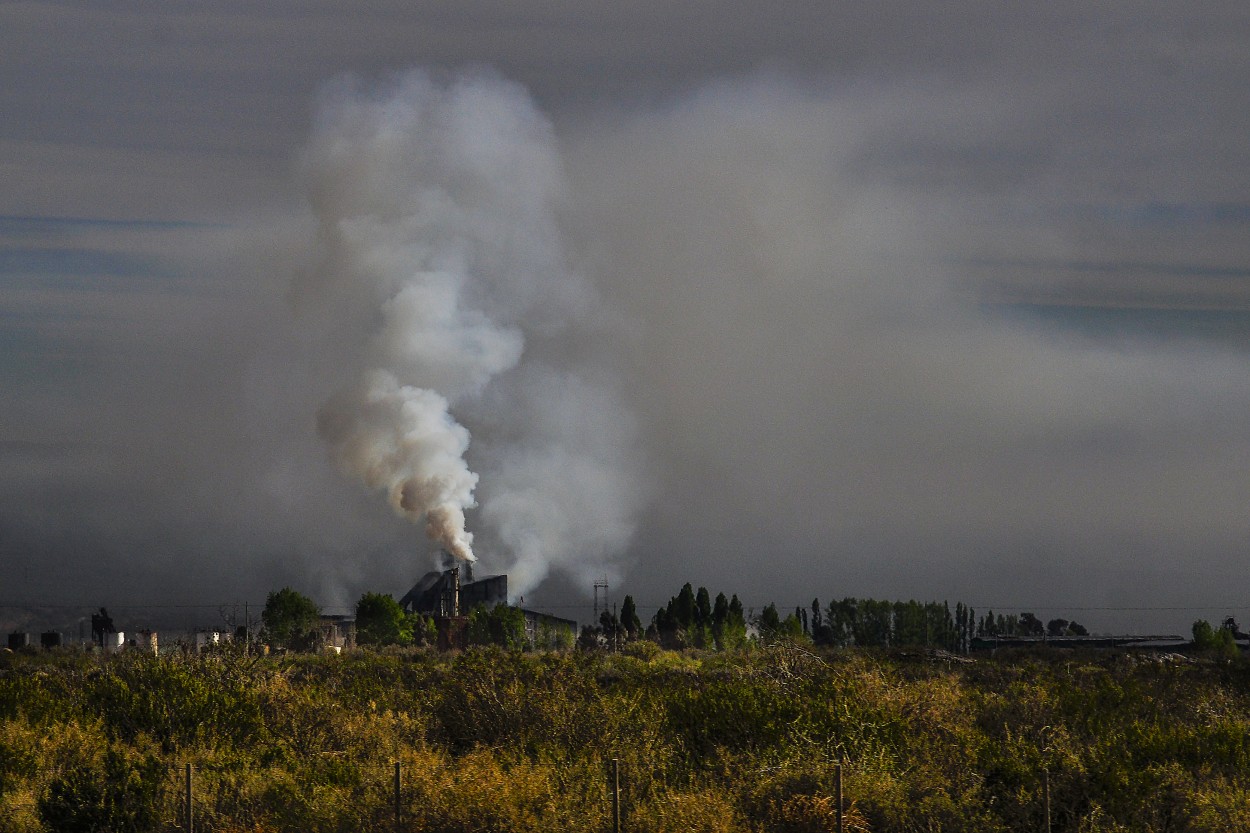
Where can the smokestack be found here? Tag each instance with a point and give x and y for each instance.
(455, 591)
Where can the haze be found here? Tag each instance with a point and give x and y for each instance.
(894, 300)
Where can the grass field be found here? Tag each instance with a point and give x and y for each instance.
(490, 740)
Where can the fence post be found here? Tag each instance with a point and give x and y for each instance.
(397, 792)
(616, 795)
(1046, 796)
(189, 814)
(837, 791)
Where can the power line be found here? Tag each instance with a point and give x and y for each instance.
(96, 606)
(12, 605)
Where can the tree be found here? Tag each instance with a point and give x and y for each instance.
(610, 627)
(424, 630)
(502, 625)
(1057, 627)
(1216, 643)
(702, 607)
(683, 607)
(381, 621)
(734, 635)
(590, 638)
(700, 630)
(290, 619)
(843, 621)
(874, 624)
(792, 628)
(768, 622)
(629, 618)
(1030, 625)
(554, 637)
(665, 628)
(909, 624)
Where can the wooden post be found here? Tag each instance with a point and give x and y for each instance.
(837, 791)
(397, 792)
(190, 816)
(616, 795)
(1046, 796)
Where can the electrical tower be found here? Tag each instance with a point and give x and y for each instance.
(601, 584)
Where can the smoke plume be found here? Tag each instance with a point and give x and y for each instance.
(438, 256)
(401, 440)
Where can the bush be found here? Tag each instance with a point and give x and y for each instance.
(120, 796)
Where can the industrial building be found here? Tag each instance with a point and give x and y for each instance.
(442, 595)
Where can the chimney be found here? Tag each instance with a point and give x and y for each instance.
(455, 591)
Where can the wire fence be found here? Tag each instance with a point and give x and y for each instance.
(199, 794)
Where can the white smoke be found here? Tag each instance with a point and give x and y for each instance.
(401, 440)
(438, 256)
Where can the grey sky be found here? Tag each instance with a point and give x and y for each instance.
(902, 300)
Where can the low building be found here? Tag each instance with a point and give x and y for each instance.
(543, 630)
(338, 631)
(146, 641)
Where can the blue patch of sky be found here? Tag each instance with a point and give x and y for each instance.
(32, 359)
(68, 261)
(1167, 214)
(1112, 267)
(41, 342)
(38, 253)
(1227, 326)
(17, 224)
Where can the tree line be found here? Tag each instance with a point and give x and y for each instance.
(693, 619)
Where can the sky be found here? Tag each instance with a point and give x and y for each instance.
(889, 300)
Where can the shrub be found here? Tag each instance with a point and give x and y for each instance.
(705, 811)
(120, 796)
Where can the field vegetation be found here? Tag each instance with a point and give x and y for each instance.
(491, 739)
